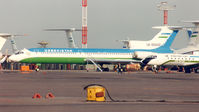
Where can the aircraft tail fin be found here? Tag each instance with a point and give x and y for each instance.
(194, 39)
(3, 38)
(13, 43)
(166, 36)
(193, 44)
(189, 32)
(70, 39)
(2, 42)
(193, 34)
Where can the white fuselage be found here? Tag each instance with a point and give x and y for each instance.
(158, 40)
(63, 55)
(175, 59)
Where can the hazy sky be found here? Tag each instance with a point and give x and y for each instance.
(108, 20)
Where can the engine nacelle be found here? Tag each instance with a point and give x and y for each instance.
(142, 54)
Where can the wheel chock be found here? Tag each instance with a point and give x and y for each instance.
(37, 95)
(50, 95)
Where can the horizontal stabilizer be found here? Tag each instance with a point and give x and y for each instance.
(67, 29)
(194, 21)
(5, 35)
(169, 27)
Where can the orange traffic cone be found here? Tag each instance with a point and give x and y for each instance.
(50, 95)
(37, 95)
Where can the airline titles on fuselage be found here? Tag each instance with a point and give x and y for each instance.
(153, 44)
(57, 50)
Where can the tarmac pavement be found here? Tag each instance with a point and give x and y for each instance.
(142, 91)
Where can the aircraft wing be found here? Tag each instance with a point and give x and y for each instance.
(113, 61)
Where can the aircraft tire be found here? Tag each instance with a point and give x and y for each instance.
(37, 69)
(187, 70)
(180, 69)
(195, 70)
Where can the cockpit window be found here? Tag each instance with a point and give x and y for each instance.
(20, 52)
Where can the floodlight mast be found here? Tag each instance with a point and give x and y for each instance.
(163, 6)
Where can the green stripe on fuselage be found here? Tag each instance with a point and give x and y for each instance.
(180, 61)
(168, 62)
(61, 60)
(55, 60)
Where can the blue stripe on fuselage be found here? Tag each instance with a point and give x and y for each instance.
(88, 50)
(85, 50)
(162, 49)
(194, 56)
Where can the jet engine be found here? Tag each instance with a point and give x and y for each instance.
(142, 54)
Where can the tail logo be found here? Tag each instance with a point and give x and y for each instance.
(194, 34)
(164, 35)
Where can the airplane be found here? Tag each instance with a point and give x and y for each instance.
(187, 61)
(191, 49)
(95, 56)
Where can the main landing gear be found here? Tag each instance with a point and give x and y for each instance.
(102, 68)
(188, 69)
(155, 68)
